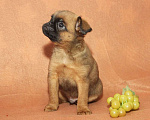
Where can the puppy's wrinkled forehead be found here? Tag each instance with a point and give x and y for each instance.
(69, 18)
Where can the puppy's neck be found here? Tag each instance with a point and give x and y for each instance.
(72, 47)
(78, 46)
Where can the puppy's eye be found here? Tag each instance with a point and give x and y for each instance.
(61, 26)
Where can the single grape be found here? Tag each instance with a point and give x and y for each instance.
(116, 95)
(109, 100)
(127, 106)
(131, 105)
(122, 112)
(136, 105)
(114, 113)
(136, 99)
(130, 98)
(110, 109)
(123, 98)
(117, 98)
(115, 104)
(128, 93)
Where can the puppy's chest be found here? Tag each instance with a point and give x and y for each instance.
(66, 60)
(61, 57)
(65, 68)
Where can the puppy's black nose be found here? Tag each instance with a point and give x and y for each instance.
(47, 27)
(44, 28)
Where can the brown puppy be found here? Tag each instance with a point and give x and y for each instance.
(73, 73)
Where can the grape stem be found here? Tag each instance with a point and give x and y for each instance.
(127, 89)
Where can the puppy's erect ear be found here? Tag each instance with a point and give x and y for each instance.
(82, 27)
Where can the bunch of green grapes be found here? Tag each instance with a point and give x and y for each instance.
(121, 104)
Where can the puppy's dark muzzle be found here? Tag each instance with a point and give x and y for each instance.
(49, 31)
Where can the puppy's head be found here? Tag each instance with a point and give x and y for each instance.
(65, 26)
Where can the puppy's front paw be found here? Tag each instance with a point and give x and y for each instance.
(50, 108)
(83, 111)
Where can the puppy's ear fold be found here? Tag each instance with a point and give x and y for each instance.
(82, 27)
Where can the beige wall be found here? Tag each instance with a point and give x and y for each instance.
(120, 43)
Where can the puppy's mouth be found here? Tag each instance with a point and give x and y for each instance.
(50, 33)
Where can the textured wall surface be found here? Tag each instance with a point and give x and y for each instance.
(120, 43)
